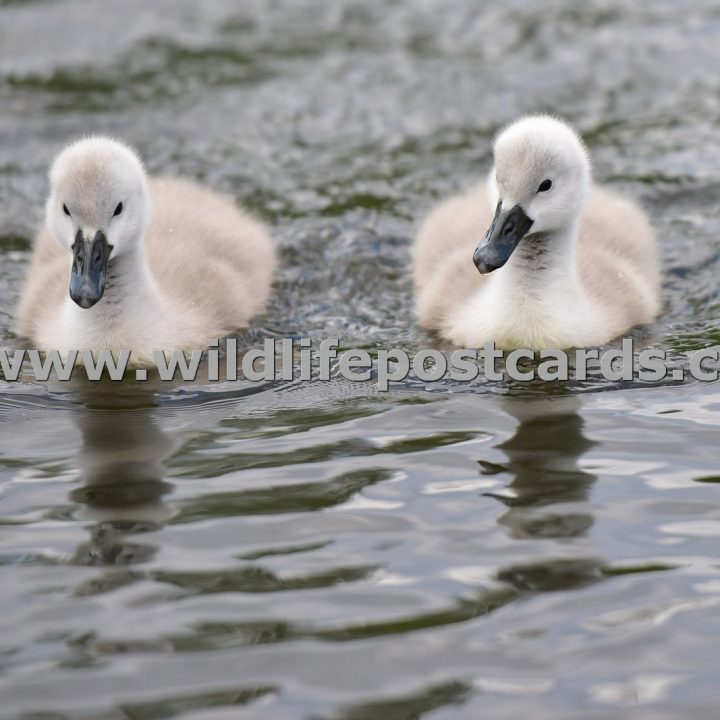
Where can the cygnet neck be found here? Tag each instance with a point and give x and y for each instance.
(130, 284)
(544, 260)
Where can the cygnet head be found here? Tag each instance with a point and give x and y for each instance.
(98, 209)
(541, 179)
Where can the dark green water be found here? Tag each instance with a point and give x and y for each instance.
(321, 550)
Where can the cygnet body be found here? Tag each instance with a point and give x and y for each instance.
(127, 262)
(564, 263)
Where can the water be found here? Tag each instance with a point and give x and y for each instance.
(324, 551)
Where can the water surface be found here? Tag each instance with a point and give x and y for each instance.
(321, 550)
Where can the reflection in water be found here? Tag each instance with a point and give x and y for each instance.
(547, 485)
(121, 462)
(543, 459)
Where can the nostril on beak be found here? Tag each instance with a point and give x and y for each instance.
(509, 229)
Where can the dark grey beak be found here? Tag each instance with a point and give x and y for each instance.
(507, 230)
(89, 268)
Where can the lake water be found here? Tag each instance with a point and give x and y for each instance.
(324, 551)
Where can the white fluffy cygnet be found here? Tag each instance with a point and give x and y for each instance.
(127, 262)
(564, 263)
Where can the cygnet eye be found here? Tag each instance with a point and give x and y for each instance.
(65, 210)
(545, 185)
(118, 210)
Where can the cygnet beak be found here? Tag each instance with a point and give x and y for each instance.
(507, 229)
(89, 268)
